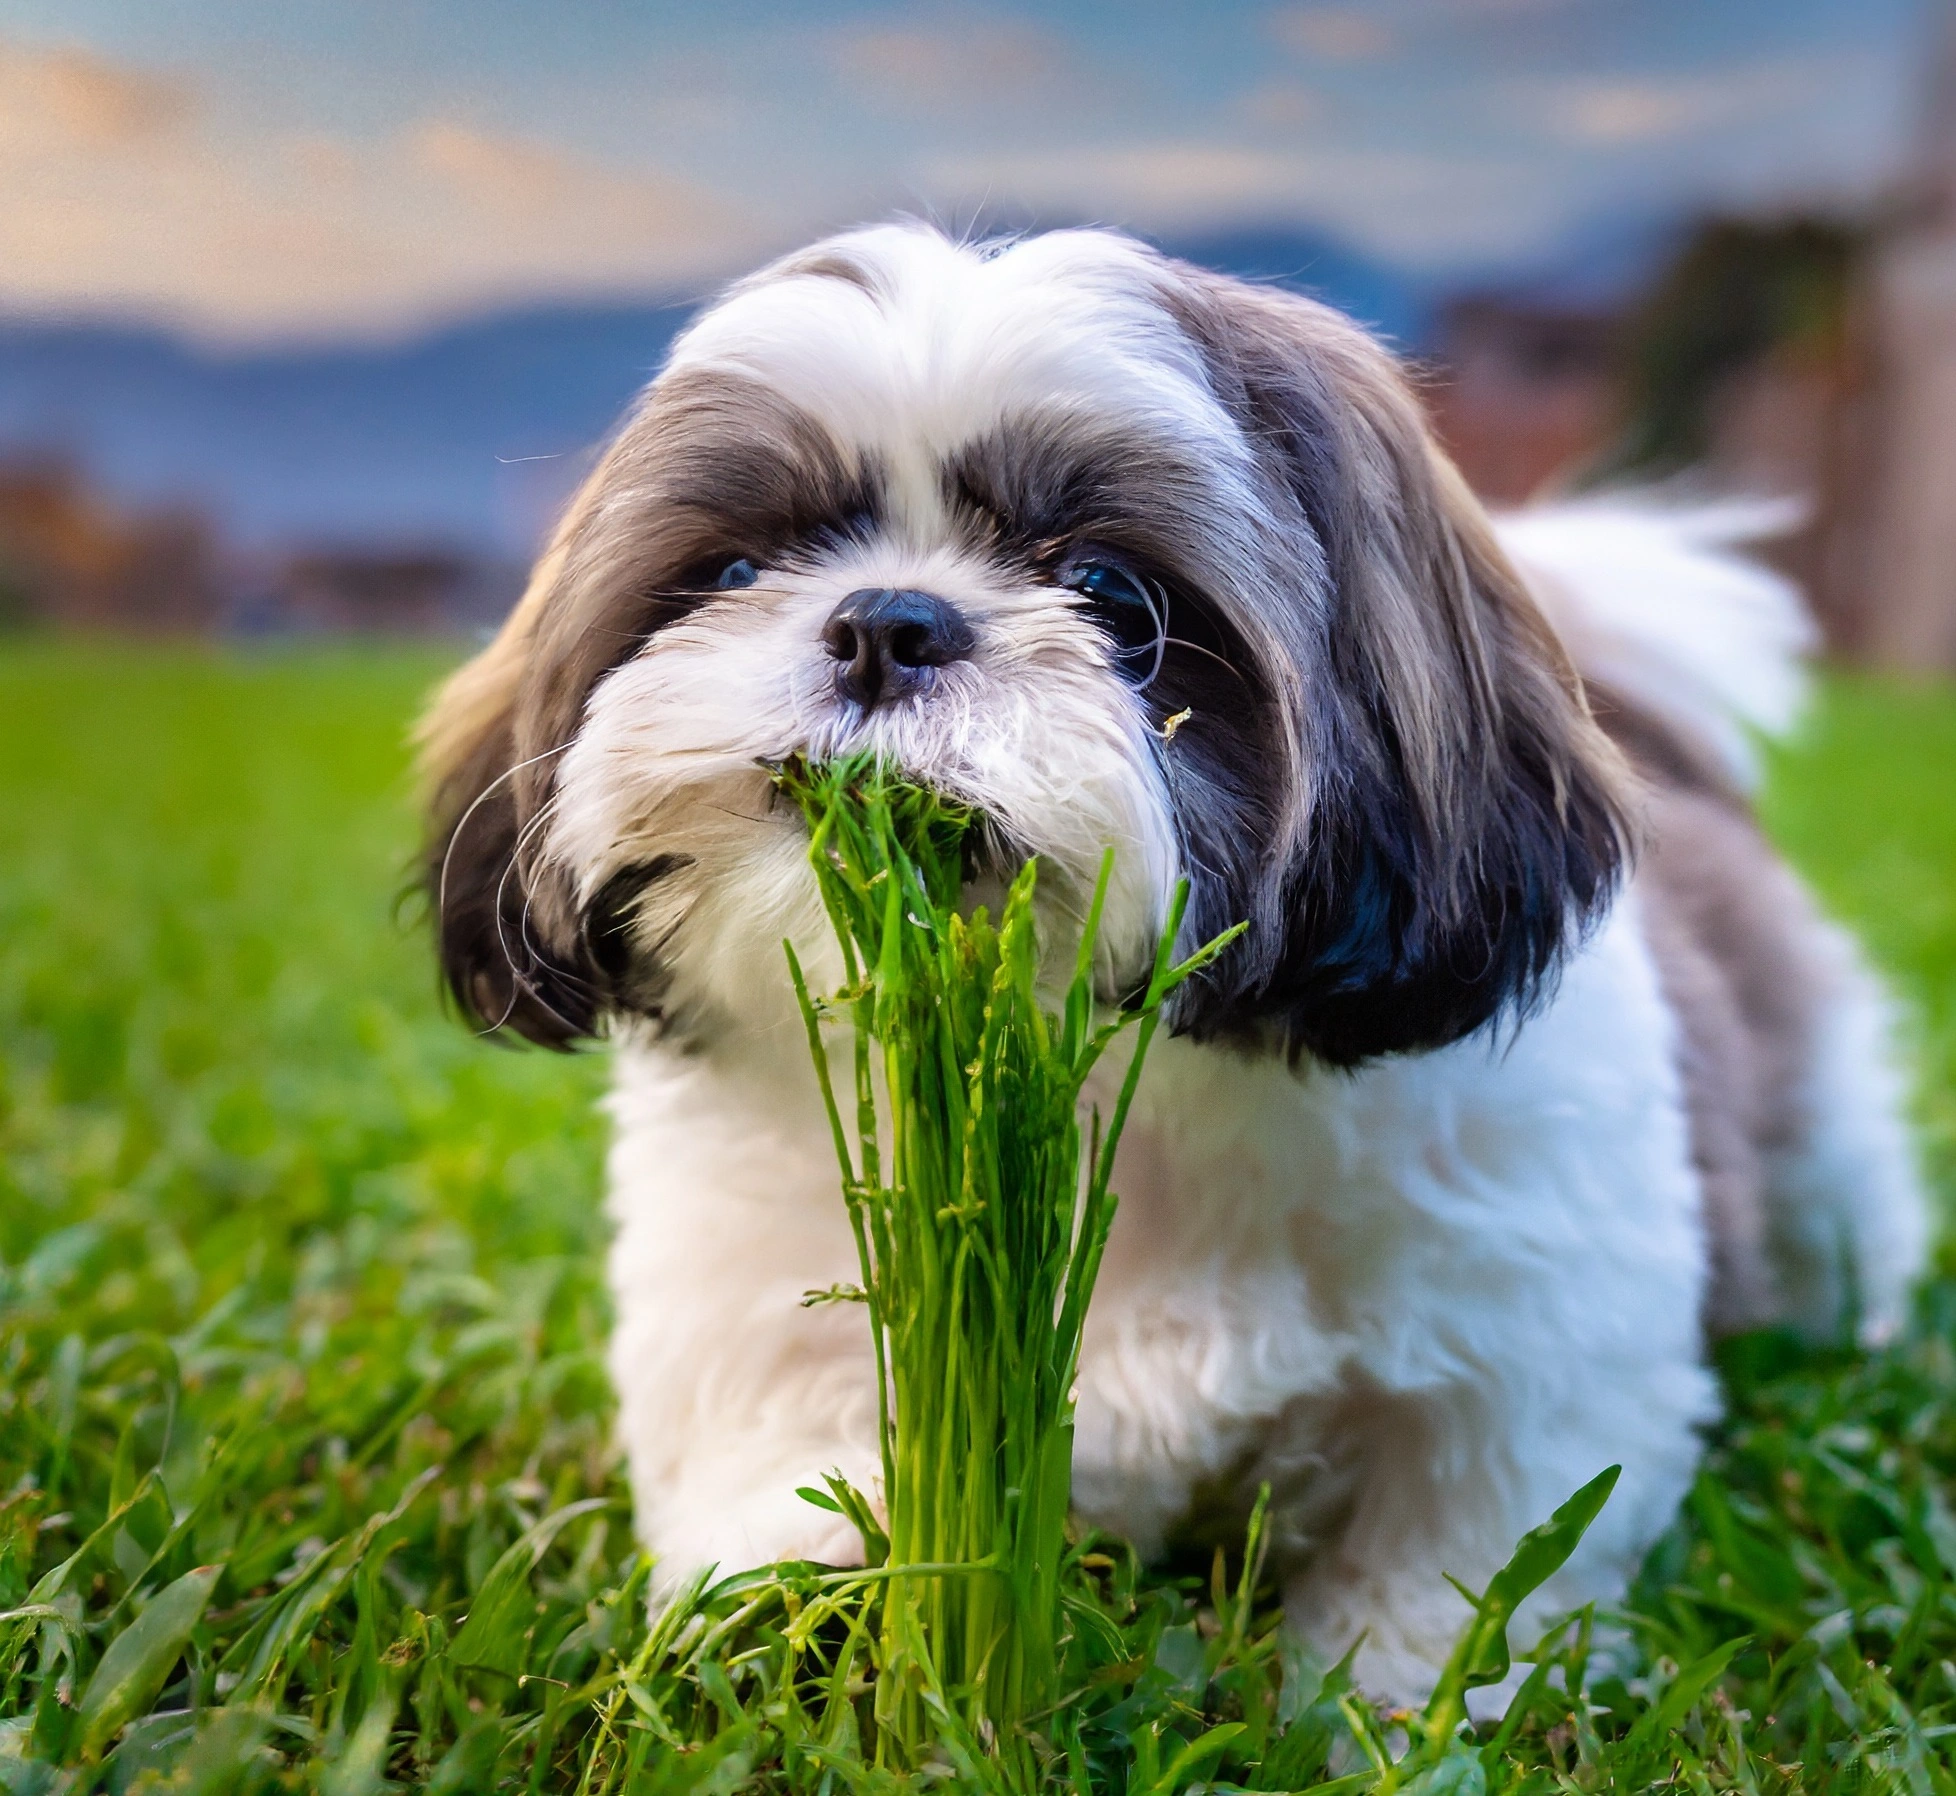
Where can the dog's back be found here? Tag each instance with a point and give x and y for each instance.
(1812, 1197)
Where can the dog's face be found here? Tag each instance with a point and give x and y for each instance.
(1122, 553)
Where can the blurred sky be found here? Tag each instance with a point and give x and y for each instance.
(281, 168)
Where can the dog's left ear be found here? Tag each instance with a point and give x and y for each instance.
(1463, 816)
(480, 778)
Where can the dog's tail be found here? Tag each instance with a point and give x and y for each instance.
(1655, 600)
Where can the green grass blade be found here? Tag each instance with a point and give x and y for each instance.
(1481, 1656)
(138, 1660)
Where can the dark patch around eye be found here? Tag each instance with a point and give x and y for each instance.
(1039, 499)
(1027, 507)
(1044, 501)
(838, 532)
(714, 574)
(707, 575)
(1130, 610)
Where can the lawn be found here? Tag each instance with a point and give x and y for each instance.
(300, 1322)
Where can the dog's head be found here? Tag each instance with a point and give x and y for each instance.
(1117, 550)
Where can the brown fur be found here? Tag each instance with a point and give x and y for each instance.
(703, 468)
(1457, 812)
(1448, 816)
(1465, 814)
(1731, 931)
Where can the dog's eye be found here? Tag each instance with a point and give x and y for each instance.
(1128, 609)
(735, 575)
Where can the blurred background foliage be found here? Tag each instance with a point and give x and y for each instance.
(320, 363)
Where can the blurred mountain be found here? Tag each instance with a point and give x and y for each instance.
(469, 437)
(1602, 264)
(1389, 300)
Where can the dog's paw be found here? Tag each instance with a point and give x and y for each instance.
(743, 1533)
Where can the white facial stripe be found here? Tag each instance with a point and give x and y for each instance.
(747, 680)
(956, 341)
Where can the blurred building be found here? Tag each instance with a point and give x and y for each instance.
(411, 592)
(1524, 392)
(1802, 356)
(1909, 605)
(71, 561)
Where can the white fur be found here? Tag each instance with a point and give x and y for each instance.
(1066, 318)
(1652, 600)
(667, 762)
(1848, 1213)
(1470, 1276)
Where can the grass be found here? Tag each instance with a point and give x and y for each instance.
(304, 1473)
(980, 1225)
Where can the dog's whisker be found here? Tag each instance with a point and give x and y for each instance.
(519, 975)
(1196, 648)
(474, 805)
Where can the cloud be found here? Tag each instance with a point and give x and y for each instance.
(1421, 132)
(1281, 105)
(78, 95)
(1612, 111)
(950, 61)
(125, 195)
(1487, 11)
(517, 181)
(1170, 180)
(1419, 208)
(1332, 33)
(1377, 29)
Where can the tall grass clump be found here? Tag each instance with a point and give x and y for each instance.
(980, 1212)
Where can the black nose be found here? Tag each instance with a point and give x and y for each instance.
(886, 643)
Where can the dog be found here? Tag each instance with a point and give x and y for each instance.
(1534, 1071)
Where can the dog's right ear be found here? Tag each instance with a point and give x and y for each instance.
(479, 803)
(1461, 820)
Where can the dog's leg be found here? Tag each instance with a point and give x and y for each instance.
(1450, 1482)
(1180, 1376)
(1848, 1219)
(1525, 1272)
(723, 1422)
(732, 1392)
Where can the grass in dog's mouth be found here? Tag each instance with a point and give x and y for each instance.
(980, 1215)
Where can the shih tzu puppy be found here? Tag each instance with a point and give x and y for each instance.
(1535, 1067)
